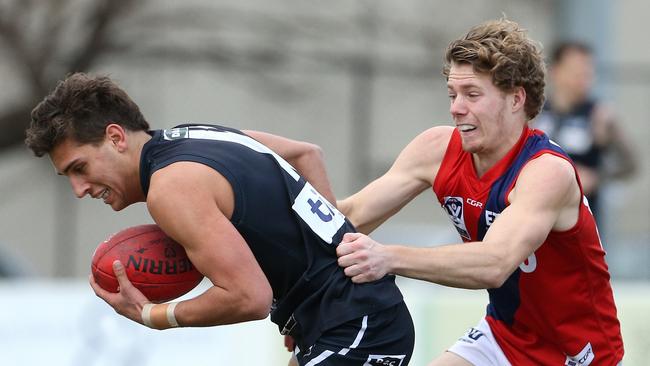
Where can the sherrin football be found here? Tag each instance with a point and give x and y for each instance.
(154, 263)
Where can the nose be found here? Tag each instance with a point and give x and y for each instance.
(457, 106)
(79, 186)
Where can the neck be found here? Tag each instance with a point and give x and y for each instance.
(485, 160)
(138, 139)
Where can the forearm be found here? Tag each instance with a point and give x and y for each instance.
(217, 306)
(371, 207)
(460, 265)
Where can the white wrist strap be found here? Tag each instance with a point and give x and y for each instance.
(146, 314)
(171, 317)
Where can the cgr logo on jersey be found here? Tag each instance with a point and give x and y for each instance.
(176, 133)
(384, 360)
(583, 358)
(454, 208)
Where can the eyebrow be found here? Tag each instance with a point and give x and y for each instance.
(65, 170)
(464, 86)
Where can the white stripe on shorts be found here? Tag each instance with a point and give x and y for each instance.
(320, 358)
(357, 340)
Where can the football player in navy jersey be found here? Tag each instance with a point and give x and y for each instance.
(583, 125)
(252, 210)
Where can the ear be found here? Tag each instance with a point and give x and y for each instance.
(116, 135)
(518, 99)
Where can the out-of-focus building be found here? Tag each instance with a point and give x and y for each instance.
(360, 79)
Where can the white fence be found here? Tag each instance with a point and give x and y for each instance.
(62, 323)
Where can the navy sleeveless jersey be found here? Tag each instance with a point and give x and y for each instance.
(572, 131)
(290, 228)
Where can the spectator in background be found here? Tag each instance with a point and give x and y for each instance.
(585, 128)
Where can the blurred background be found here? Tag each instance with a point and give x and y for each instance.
(359, 78)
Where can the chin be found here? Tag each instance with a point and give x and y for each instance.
(118, 206)
(471, 148)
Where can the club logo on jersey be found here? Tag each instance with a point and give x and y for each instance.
(454, 208)
(384, 360)
(583, 358)
(176, 133)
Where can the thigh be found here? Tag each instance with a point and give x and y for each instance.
(477, 347)
(450, 359)
(385, 338)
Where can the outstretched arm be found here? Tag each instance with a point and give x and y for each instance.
(413, 171)
(546, 197)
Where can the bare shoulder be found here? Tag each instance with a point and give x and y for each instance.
(430, 144)
(421, 158)
(550, 179)
(438, 135)
(199, 183)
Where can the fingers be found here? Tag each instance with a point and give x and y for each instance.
(120, 274)
(100, 292)
(349, 237)
(346, 247)
(289, 343)
(358, 275)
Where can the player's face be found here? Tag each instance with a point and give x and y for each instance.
(574, 74)
(94, 169)
(482, 113)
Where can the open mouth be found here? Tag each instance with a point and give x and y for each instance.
(466, 128)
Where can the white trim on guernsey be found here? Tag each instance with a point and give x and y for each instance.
(210, 133)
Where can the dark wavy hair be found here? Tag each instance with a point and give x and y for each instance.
(80, 107)
(502, 49)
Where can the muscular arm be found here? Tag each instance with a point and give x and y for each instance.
(305, 157)
(195, 219)
(546, 197)
(413, 171)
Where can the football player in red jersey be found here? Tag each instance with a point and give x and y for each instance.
(517, 203)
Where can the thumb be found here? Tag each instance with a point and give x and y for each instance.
(120, 274)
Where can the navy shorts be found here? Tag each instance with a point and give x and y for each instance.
(385, 338)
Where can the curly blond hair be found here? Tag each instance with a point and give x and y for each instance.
(502, 49)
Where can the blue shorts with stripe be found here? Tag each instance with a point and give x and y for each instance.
(384, 338)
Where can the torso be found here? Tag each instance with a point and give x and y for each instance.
(291, 229)
(573, 130)
(569, 267)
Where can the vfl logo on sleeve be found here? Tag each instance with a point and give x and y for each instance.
(176, 133)
(454, 208)
(583, 358)
(384, 360)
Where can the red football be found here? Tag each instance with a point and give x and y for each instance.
(155, 264)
